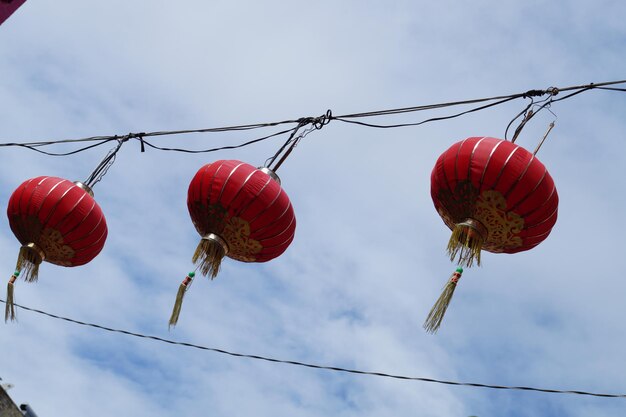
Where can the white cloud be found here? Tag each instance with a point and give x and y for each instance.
(368, 260)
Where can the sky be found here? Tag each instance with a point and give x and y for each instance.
(368, 260)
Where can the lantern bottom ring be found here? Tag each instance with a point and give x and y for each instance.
(217, 239)
(475, 226)
(467, 241)
(33, 247)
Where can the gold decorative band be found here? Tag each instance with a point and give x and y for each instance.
(85, 187)
(218, 239)
(36, 249)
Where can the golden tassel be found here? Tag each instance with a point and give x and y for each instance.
(9, 310)
(466, 241)
(209, 255)
(182, 289)
(435, 317)
(28, 261)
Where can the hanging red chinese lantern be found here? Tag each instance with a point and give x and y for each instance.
(240, 212)
(56, 221)
(494, 196)
(7, 7)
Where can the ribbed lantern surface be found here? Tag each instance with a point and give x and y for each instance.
(243, 207)
(239, 211)
(494, 195)
(56, 221)
(60, 218)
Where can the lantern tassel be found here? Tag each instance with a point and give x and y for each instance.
(28, 261)
(466, 242)
(182, 289)
(9, 309)
(209, 255)
(435, 317)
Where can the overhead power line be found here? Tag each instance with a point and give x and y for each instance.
(316, 366)
(351, 118)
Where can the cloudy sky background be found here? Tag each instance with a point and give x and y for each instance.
(369, 258)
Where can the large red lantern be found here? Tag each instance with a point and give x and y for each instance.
(56, 221)
(494, 196)
(240, 212)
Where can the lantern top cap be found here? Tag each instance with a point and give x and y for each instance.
(271, 173)
(85, 187)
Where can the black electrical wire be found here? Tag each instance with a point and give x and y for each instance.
(433, 119)
(315, 366)
(241, 145)
(33, 147)
(611, 88)
(527, 94)
(315, 121)
(290, 139)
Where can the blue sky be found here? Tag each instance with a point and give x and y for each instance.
(368, 260)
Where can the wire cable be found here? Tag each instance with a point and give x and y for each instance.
(346, 118)
(104, 165)
(33, 147)
(433, 119)
(316, 366)
(221, 148)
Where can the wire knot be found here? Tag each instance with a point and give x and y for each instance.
(317, 122)
(553, 91)
(323, 120)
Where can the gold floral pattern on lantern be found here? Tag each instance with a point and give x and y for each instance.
(52, 244)
(489, 208)
(503, 226)
(241, 246)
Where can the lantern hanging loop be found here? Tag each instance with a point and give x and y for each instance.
(523, 112)
(316, 123)
(531, 110)
(105, 164)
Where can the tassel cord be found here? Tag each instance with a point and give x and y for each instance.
(9, 309)
(435, 316)
(178, 304)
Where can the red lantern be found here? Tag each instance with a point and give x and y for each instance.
(7, 7)
(494, 196)
(240, 212)
(56, 221)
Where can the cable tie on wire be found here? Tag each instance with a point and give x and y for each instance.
(533, 93)
(141, 141)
